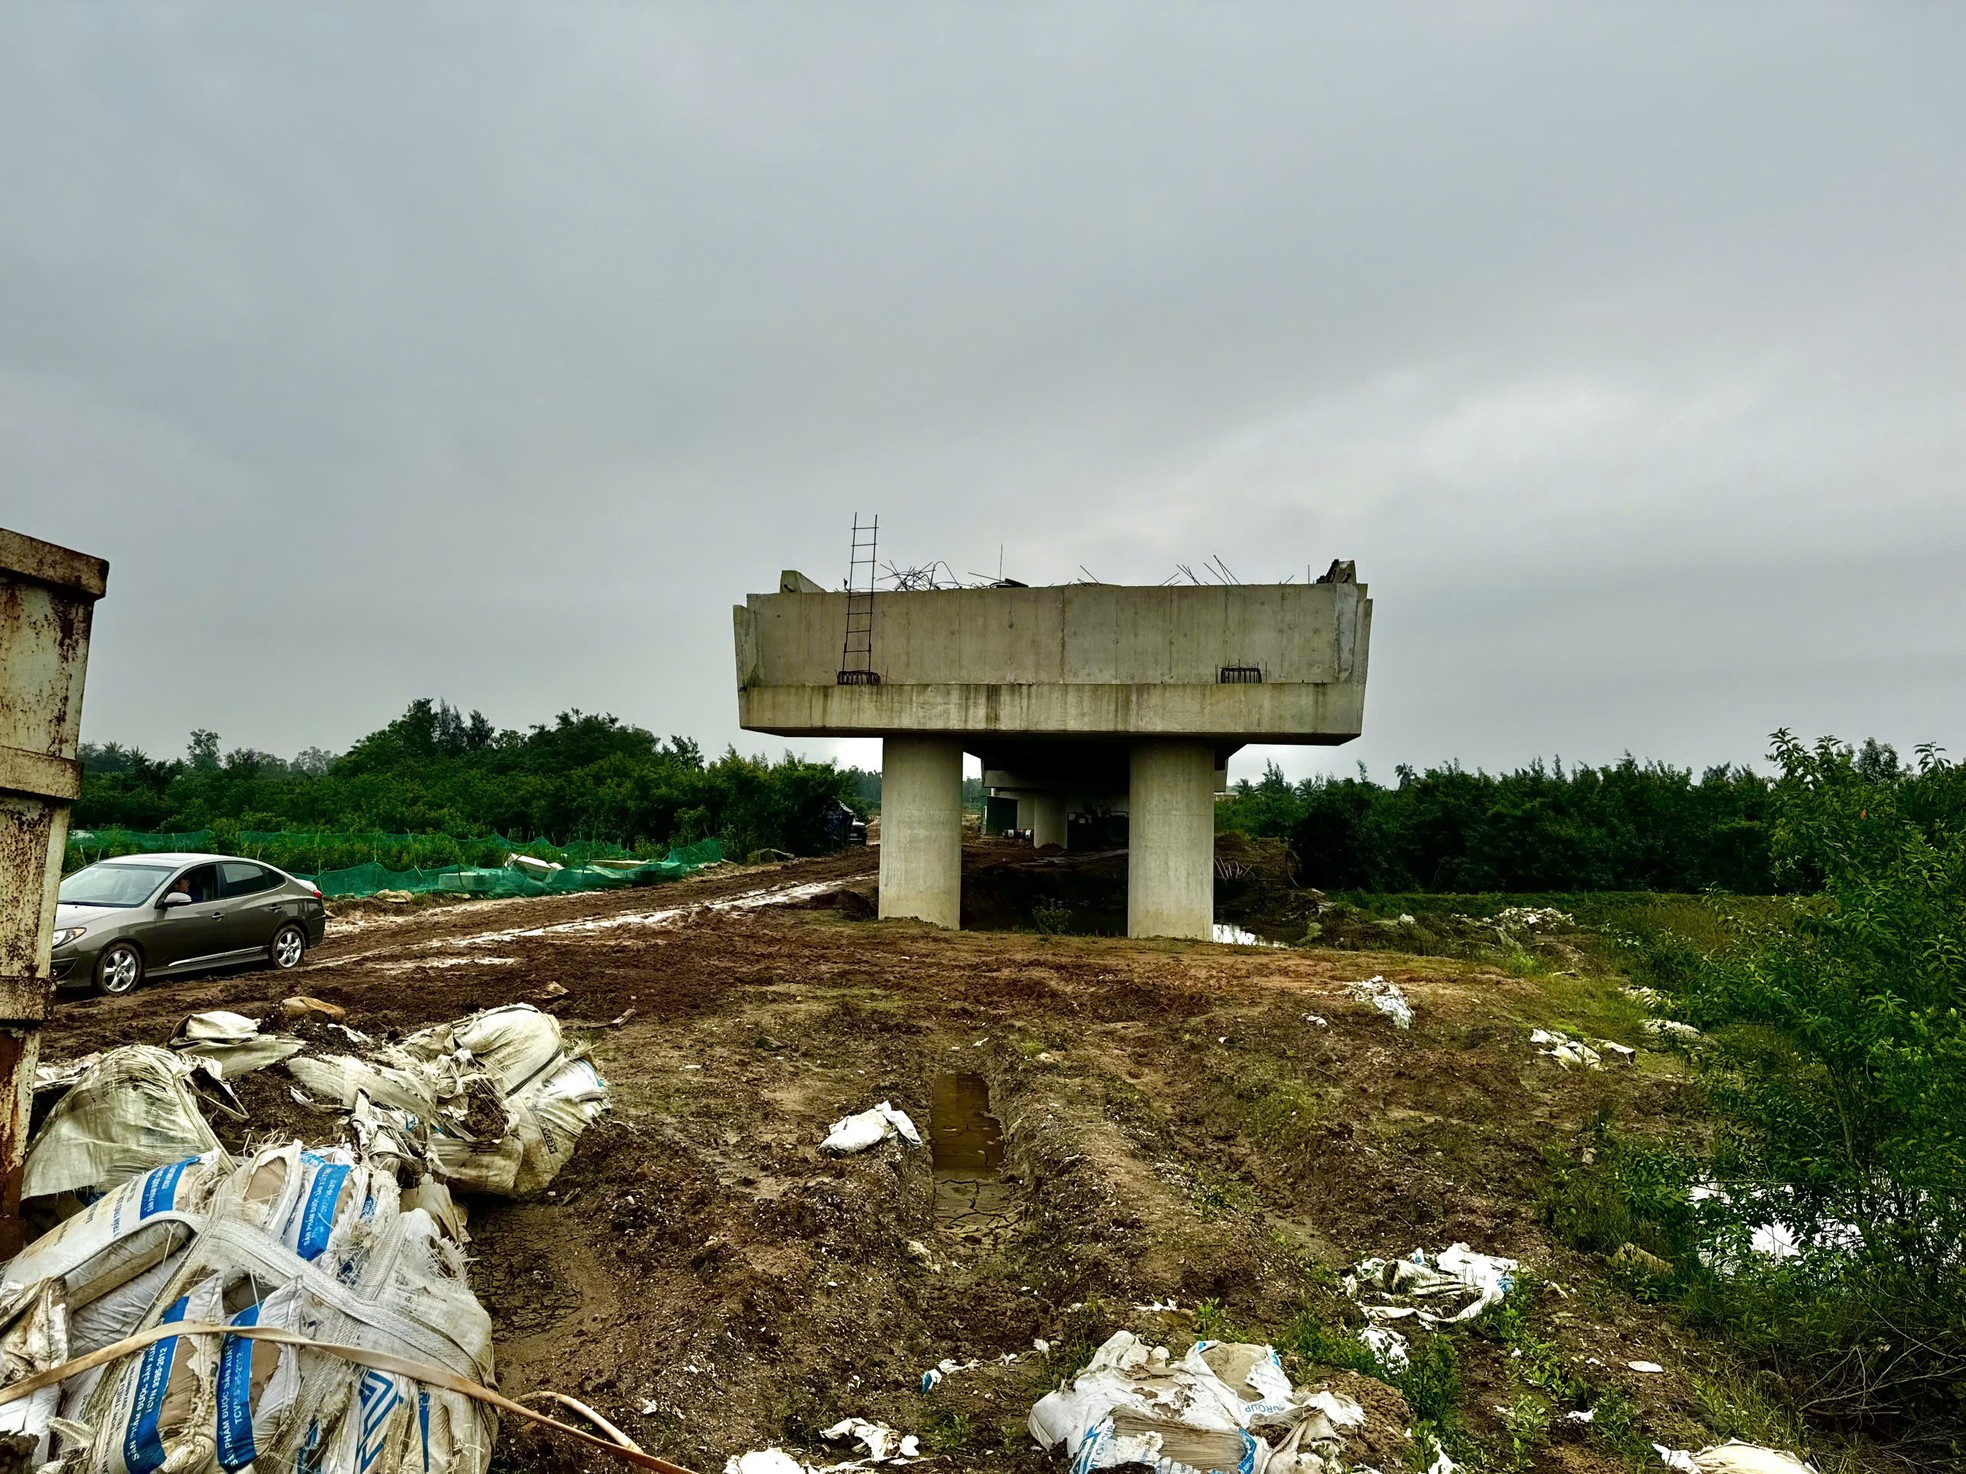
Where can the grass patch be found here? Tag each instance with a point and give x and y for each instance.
(1217, 1192)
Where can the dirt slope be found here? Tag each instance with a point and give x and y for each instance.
(1223, 1128)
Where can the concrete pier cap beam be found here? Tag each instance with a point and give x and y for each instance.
(1170, 865)
(1100, 697)
(922, 829)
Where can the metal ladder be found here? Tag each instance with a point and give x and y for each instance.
(857, 651)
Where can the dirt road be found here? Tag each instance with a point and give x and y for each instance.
(1218, 1127)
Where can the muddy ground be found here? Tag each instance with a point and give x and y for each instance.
(1219, 1128)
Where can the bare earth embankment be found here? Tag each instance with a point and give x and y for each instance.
(1222, 1128)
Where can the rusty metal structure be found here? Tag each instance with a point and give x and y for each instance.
(47, 604)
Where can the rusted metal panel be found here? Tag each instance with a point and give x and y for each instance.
(36, 772)
(47, 600)
(32, 834)
(19, 1053)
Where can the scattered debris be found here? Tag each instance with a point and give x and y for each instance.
(764, 1461)
(1545, 916)
(1666, 1028)
(949, 1366)
(297, 1008)
(1386, 997)
(232, 1042)
(1574, 1053)
(554, 990)
(490, 1103)
(1387, 1345)
(1733, 1457)
(528, 865)
(1650, 1367)
(883, 1444)
(1471, 1282)
(869, 1128)
(1236, 936)
(127, 1111)
(1132, 1404)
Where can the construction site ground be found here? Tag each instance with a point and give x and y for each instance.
(1198, 1139)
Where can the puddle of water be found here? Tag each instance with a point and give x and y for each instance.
(966, 1145)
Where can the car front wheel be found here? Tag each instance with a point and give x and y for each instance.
(118, 970)
(288, 946)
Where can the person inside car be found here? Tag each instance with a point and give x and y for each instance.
(191, 885)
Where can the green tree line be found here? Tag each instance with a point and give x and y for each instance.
(1627, 826)
(436, 770)
(1817, 1218)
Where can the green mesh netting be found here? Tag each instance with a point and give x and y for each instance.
(517, 879)
(350, 866)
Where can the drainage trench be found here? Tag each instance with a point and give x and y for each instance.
(966, 1144)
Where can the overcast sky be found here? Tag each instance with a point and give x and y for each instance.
(492, 352)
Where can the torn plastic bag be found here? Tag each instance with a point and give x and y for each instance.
(131, 1111)
(1573, 1053)
(544, 1121)
(1316, 1444)
(344, 1079)
(314, 1242)
(514, 1044)
(1386, 997)
(1733, 1457)
(33, 1338)
(763, 1461)
(1130, 1405)
(549, 1093)
(1387, 1345)
(868, 1128)
(232, 1042)
(1468, 1281)
(883, 1444)
(493, 1103)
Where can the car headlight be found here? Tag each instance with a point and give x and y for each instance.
(68, 934)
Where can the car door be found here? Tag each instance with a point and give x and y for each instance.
(181, 933)
(250, 905)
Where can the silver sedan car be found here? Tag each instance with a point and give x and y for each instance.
(120, 921)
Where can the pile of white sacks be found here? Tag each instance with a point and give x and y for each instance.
(221, 1279)
(1223, 1406)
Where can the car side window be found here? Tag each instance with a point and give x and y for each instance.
(240, 879)
(200, 883)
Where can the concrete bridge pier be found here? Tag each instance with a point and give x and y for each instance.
(1170, 868)
(1047, 819)
(922, 829)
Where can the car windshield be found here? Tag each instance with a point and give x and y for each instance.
(112, 885)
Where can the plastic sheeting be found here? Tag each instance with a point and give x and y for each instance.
(131, 1110)
(1217, 1408)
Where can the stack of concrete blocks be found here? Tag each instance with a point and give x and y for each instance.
(1076, 698)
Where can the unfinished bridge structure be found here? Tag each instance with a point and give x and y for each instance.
(1077, 697)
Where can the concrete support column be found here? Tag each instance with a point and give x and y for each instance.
(922, 829)
(1170, 865)
(1047, 819)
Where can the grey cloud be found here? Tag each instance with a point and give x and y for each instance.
(493, 351)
